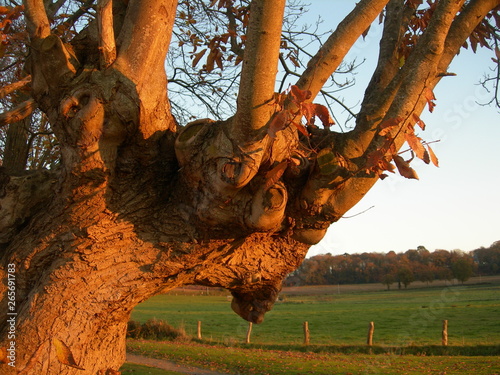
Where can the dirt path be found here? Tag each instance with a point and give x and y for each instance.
(170, 366)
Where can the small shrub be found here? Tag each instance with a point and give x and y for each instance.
(155, 329)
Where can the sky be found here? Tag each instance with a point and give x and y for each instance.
(454, 206)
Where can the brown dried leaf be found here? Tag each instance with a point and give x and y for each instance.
(308, 111)
(278, 123)
(323, 114)
(294, 61)
(298, 95)
(404, 168)
(365, 33)
(427, 158)
(388, 125)
(301, 128)
(418, 121)
(433, 156)
(415, 144)
(197, 57)
(64, 354)
(273, 176)
(429, 96)
(210, 61)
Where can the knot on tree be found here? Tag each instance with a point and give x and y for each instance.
(253, 305)
(237, 194)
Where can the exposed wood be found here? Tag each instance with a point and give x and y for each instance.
(198, 330)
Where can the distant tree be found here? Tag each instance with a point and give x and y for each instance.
(462, 269)
(388, 280)
(488, 259)
(405, 277)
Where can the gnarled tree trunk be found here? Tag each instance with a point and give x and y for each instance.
(140, 205)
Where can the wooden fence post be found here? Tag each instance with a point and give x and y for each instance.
(199, 330)
(249, 332)
(444, 339)
(371, 328)
(306, 333)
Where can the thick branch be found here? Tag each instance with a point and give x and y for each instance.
(107, 44)
(399, 95)
(396, 21)
(142, 46)
(332, 53)
(260, 66)
(37, 22)
(418, 75)
(8, 89)
(408, 87)
(18, 113)
(145, 37)
(462, 27)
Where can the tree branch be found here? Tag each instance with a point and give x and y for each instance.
(326, 204)
(107, 46)
(396, 20)
(37, 22)
(418, 74)
(142, 46)
(332, 53)
(473, 13)
(18, 113)
(8, 89)
(260, 64)
(145, 37)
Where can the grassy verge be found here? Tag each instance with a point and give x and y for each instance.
(276, 362)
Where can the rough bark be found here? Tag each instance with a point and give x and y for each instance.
(140, 205)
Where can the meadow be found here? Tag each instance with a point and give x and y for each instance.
(407, 337)
(410, 317)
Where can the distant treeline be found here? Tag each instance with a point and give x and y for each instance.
(397, 268)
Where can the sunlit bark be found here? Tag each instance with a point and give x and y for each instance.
(140, 205)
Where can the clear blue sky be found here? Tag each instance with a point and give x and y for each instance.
(455, 206)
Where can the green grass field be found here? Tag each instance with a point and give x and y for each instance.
(407, 336)
(410, 317)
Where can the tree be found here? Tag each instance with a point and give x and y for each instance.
(404, 276)
(388, 279)
(462, 268)
(138, 204)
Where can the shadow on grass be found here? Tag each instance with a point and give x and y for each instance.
(429, 350)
